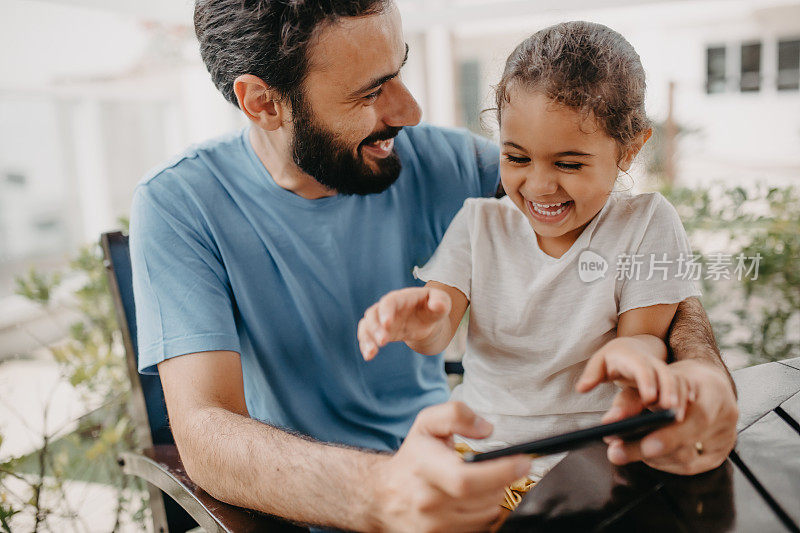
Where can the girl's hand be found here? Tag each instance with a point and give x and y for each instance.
(413, 315)
(627, 361)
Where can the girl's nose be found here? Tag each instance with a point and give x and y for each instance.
(541, 183)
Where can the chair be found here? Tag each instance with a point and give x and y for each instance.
(176, 503)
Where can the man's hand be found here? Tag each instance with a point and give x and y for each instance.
(411, 315)
(700, 442)
(426, 486)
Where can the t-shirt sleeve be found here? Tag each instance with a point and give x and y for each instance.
(181, 289)
(487, 155)
(655, 272)
(451, 263)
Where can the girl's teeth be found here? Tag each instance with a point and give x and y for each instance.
(539, 209)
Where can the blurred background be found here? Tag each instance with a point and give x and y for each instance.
(94, 93)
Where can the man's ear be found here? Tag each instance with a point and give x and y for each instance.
(259, 102)
(636, 145)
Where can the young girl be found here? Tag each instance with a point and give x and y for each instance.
(564, 274)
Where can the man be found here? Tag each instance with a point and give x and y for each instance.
(255, 255)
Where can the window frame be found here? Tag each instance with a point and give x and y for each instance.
(719, 83)
(794, 84)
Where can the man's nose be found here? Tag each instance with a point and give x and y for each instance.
(400, 108)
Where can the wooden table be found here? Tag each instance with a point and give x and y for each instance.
(756, 490)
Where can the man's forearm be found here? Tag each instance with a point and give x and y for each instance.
(691, 337)
(246, 463)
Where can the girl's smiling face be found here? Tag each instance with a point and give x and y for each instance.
(557, 166)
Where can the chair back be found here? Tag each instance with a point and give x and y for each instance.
(149, 411)
(149, 408)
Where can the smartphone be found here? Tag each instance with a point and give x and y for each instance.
(629, 429)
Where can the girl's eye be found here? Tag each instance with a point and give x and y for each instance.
(569, 166)
(518, 160)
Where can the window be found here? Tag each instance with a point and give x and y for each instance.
(789, 65)
(750, 80)
(15, 178)
(47, 225)
(715, 69)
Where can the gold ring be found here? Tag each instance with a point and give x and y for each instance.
(699, 447)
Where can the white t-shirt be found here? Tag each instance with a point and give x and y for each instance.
(533, 321)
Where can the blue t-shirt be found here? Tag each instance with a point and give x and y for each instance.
(225, 259)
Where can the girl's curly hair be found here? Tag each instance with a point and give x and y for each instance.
(584, 66)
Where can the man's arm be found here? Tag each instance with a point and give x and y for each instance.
(250, 464)
(690, 337)
(225, 451)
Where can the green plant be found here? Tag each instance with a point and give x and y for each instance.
(7, 509)
(92, 359)
(760, 313)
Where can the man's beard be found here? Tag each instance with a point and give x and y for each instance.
(325, 158)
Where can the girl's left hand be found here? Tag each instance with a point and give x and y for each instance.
(626, 361)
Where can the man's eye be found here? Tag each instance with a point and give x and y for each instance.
(517, 160)
(374, 95)
(569, 166)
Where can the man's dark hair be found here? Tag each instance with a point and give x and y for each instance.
(267, 38)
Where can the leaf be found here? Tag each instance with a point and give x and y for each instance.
(6, 512)
(37, 286)
(97, 449)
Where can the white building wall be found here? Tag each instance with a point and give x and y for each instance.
(146, 114)
(83, 119)
(737, 137)
(32, 216)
